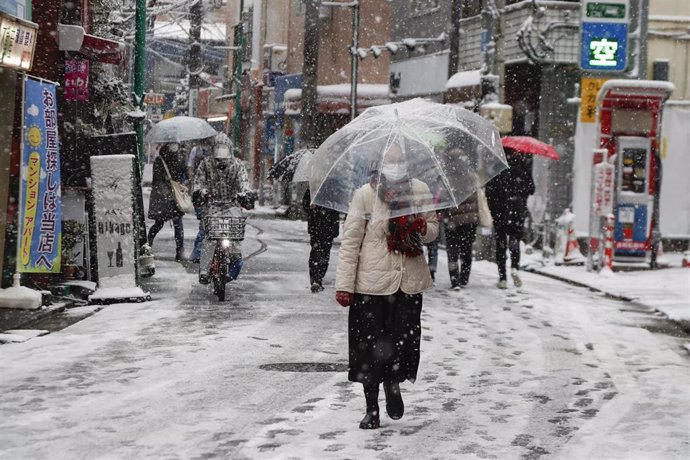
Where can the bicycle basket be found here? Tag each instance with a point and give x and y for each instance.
(226, 227)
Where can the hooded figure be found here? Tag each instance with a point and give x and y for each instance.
(220, 178)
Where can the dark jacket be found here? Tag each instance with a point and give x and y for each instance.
(162, 204)
(466, 213)
(507, 196)
(321, 221)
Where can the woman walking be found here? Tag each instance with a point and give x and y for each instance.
(162, 206)
(507, 196)
(381, 274)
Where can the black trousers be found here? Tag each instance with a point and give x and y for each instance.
(384, 334)
(319, 257)
(459, 241)
(177, 226)
(511, 241)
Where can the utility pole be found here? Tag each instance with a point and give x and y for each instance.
(239, 33)
(140, 72)
(354, 60)
(139, 83)
(454, 37)
(195, 65)
(309, 134)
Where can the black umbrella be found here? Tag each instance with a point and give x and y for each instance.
(285, 169)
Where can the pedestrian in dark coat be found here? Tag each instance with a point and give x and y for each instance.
(162, 205)
(460, 227)
(323, 226)
(507, 197)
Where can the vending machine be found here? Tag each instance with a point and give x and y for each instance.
(633, 199)
(629, 118)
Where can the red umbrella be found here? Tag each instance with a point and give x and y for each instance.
(530, 145)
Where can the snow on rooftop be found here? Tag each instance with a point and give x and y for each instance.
(180, 31)
(463, 79)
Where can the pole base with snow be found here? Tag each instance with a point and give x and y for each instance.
(112, 178)
(567, 248)
(19, 296)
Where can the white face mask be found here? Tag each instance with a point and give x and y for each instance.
(395, 171)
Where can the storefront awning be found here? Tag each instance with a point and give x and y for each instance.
(98, 49)
(102, 50)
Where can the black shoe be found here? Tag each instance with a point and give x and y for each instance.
(371, 421)
(179, 255)
(395, 408)
(204, 279)
(316, 287)
(194, 261)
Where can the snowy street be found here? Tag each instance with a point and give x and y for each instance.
(546, 371)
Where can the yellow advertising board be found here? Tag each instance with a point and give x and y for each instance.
(589, 88)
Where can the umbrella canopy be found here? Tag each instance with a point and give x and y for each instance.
(179, 129)
(530, 146)
(292, 168)
(451, 150)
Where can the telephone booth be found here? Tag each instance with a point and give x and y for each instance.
(629, 117)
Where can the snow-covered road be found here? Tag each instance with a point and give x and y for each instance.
(547, 371)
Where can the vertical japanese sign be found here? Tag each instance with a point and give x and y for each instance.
(77, 80)
(603, 189)
(41, 216)
(589, 89)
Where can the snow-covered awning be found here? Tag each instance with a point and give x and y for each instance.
(464, 79)
(336, 98)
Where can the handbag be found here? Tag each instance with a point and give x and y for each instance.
(485, 219)
(183, 200)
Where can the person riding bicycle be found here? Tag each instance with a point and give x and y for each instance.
(220, 178)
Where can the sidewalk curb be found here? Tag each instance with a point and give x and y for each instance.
(19, 319)
(684, 325)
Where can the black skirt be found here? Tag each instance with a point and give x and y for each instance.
(384, 338)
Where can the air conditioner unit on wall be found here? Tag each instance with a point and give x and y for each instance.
(275, 58)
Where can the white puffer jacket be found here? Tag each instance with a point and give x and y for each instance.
(364, 264)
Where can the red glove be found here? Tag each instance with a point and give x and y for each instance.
(419, 225)
(344, 298)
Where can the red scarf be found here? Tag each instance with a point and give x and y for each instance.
(403, 238)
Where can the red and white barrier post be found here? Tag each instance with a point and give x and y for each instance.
(607, 262)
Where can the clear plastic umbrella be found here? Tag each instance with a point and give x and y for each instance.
(179, 129)
(451, 150)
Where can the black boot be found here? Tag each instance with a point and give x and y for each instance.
(395, 408)
(179, 255)
(371, 420)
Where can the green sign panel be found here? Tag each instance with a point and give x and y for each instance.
(605, 10)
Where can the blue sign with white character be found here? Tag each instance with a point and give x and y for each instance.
(604, 46)
(604, 35)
